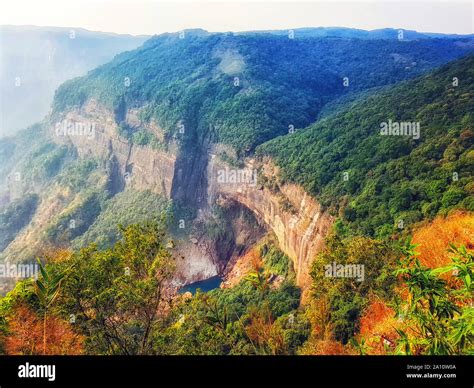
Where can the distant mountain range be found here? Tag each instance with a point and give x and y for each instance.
(382, 33)
(250, 87)
(36, 60)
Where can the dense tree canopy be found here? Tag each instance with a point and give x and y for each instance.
(247, 88)
(377, 181)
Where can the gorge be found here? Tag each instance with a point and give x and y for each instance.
(251, 166)
(142, 125)
(300, 231)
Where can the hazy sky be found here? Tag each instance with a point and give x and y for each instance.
(155, 16)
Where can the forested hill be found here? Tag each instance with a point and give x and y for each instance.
(342, 32)
(249, 88)
(379, 180)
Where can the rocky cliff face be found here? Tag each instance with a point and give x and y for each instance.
(297, 219)
(94, 133)
(201, 179)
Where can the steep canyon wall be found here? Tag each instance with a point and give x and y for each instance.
(194, 178)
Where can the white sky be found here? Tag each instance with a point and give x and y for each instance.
(156, 16)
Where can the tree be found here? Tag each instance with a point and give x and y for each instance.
(436, 313)
(348, 296)
(47, 290)
(121, 295)
(262, 331)
(26, 335)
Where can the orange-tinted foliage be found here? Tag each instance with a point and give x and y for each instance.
(324, 347)
(26, 335)
(260, 327)
(319, 314)
(250, 261)
(321, 341)
(377, 327)
(52, 254)
(263, 332)
(434, 238)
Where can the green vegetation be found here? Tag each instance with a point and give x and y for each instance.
(348, 296)
(128, 207)
(438, 311)
(122, 291)
(280, 81)
(390, 178)
(116, 294)
(15, 216)
(47, 290)
(129, 282)
(15, 149)
(76, 220)
(121, 302)
(77, 175)
(222, 322)
(257, 316)
(82, 180)
(44, 163)
(140, 137)
(276, 262)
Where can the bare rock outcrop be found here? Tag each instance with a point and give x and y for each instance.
(296, 218)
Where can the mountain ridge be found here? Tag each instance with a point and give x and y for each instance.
(137, 149)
